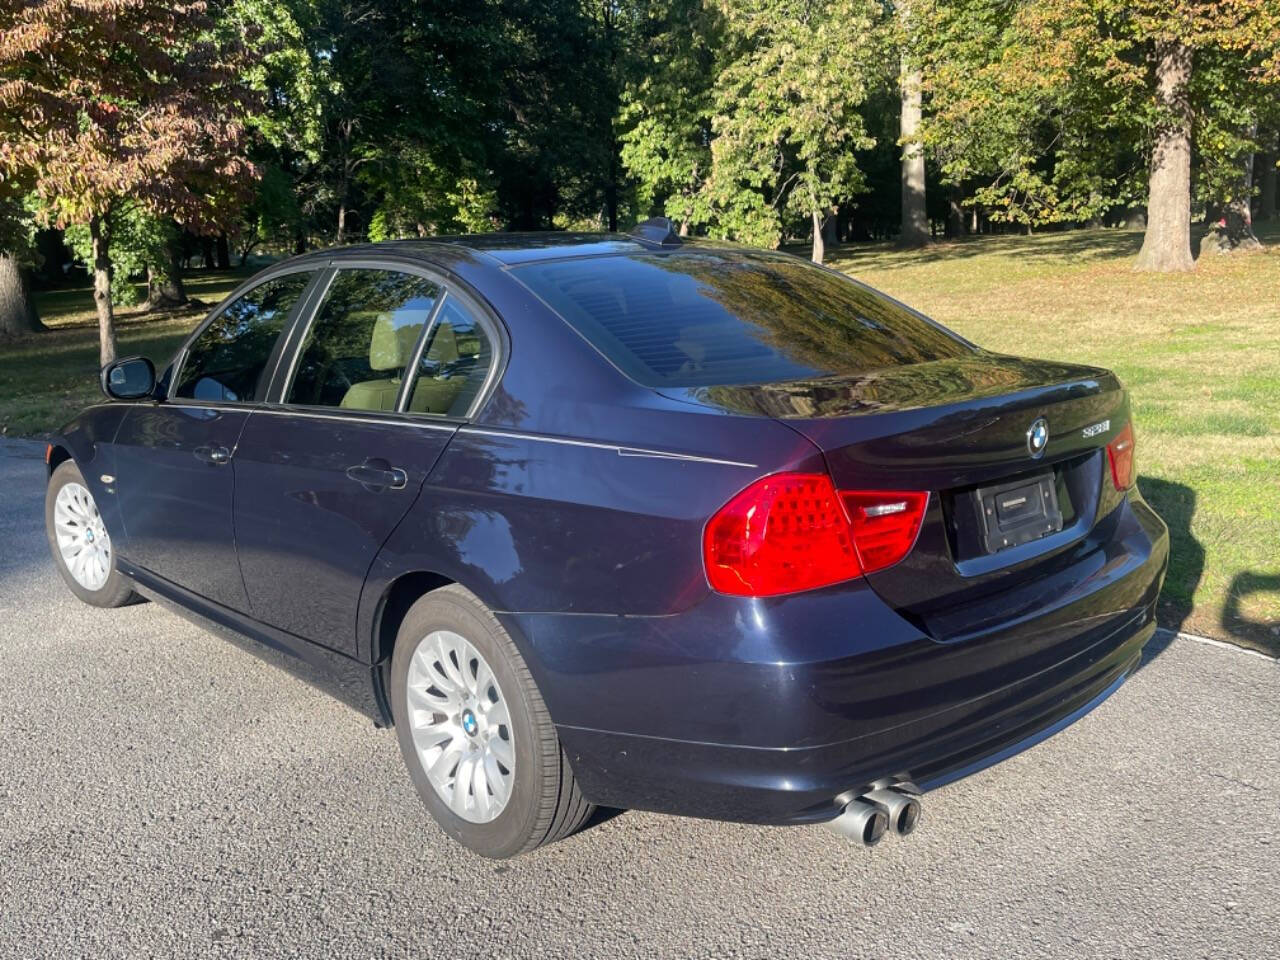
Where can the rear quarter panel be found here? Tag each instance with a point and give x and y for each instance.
(549, 524)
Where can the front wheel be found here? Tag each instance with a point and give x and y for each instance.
(80, 543)
(474, 732)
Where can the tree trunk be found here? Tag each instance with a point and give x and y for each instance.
(18, 315)
(1234, 230)
(1267, 186)
(164, 279)
(915, 220)
(819, 248)
(102, 289)
(831, 229)
(206, 253)
(611, 188)
(1166, 245)
(223, 252)
(955, 216)
(164, 289)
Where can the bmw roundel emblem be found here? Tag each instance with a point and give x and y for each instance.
(1037, 437)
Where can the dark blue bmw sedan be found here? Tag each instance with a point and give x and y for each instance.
(630, 521)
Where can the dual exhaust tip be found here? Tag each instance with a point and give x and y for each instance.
(889, 807)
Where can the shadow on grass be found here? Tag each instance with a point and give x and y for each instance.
(1262, 634)
(1070, 245)
(1176, 504)
(1094, 244)
(71, 306)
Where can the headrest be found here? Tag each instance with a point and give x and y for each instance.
(393, 338)
(444, 344)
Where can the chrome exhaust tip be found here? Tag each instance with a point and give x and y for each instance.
(864, 822)
(901, 810)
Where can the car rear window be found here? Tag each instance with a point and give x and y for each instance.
(694, 319)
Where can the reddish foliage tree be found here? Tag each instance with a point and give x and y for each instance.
(102, 100)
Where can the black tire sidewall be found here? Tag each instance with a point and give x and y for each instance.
(117, 590)
(511, 831)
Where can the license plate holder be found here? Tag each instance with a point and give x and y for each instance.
(1019, 511)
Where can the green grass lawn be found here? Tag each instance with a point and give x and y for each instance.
(46, 379)
(1200, 354)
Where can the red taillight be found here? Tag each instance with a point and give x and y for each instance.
(791, 532)
(1120, 453)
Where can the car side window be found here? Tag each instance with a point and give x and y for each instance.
(454, 363)
(362, 340)
(226, 361)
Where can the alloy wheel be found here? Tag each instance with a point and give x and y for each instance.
(82, 537)
(461, 727)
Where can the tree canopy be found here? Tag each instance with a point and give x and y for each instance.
(281, 125)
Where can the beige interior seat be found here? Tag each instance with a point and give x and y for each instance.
(391, 346)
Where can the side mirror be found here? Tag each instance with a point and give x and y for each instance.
(129, 379)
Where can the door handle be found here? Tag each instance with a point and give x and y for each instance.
(378, 475)
(214, 455)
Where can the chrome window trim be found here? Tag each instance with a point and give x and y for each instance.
(620, 450)
(354, 416)
(193, 404)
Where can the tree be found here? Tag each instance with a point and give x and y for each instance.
(106, 101)
(915, 219)
(667, 107)
(787, 123)
(1166, 245)
(1051, 105)
(18, 314)
(142, 244)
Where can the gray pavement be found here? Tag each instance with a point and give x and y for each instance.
(163, 792)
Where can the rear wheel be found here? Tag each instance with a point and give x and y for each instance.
(474, 732)
(78, 538)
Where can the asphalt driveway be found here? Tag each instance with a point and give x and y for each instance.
(164, 792)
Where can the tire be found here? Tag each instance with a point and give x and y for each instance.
(543, 803)
(114, 590)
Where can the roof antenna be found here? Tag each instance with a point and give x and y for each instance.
(657, 230)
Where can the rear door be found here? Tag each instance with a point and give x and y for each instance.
(376, 384)
(175, 459)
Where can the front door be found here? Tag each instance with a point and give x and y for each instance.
(323, 478)
(175, 460)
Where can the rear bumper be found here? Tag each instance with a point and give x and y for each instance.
(779, 711)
